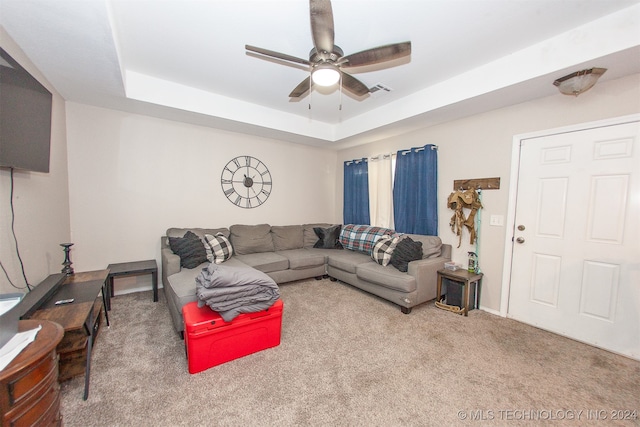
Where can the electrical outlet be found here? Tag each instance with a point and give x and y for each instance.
(497, 220)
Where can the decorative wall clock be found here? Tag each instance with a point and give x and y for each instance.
(246, 182)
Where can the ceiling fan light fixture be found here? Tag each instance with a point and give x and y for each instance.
(579, 82)
(325, 74)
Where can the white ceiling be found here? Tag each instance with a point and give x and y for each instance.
(185, 60)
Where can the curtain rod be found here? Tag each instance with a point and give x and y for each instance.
(356, 161)
(377, 157)
(386, 156)
(416, 149)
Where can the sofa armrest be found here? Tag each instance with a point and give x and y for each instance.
(170, 264)
(445, 251)
(425, 272)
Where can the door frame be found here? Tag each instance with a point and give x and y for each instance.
(513, 191)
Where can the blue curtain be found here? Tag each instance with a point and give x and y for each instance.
(415, 191)
(356, 192)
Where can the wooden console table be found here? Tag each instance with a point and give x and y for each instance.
(29, 388)
(80, 320)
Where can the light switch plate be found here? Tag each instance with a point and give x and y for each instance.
(497, 220)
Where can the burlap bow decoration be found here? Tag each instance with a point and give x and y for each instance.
(458, 201)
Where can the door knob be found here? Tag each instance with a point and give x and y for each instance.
(521, 227)
(520, 240)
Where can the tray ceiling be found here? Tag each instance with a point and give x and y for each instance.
(185, 60)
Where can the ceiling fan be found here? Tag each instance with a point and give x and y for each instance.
(327, 61)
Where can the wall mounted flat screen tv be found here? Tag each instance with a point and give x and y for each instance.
(25, 118)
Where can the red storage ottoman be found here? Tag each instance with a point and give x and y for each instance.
(210, 341)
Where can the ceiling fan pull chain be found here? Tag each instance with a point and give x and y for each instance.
(310, 89)
(340, 106)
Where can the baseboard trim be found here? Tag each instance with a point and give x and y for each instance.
(492, 311)
(134, 290)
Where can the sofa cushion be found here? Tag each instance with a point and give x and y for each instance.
(362, 237)
(431, 245)
(300, 259)
(386, 276)
(328, 238)
(265, 261)
(251, 239)
(383, 249)
(189, 248)
(200, 232)
(348, 260)
(310, 236)
(287, 237)
(219, 247)
(406, 250)
(322, 252)
(183, 283)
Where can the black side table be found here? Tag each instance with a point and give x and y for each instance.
(135, 268)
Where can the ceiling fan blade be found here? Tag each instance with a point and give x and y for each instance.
(322, 25)
(278, 55)
(353, 85)
(376, 55)
(301, 89)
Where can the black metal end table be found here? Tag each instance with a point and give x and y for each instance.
(134, 268)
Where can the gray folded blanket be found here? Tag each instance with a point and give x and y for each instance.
(234, 290)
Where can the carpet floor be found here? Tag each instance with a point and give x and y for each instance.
(348, 358)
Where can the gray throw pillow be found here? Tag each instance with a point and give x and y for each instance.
(310, 236)
(406, 251)
(190, 249)
(328, 237)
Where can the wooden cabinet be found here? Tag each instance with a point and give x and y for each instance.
(73, 348)
(80, 320)
(29, 388)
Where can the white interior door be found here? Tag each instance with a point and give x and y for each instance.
(576, 252)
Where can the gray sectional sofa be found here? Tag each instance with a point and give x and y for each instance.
(287, 253)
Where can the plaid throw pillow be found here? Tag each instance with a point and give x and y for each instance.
(362, 237)
(383, 249)
(220, 247)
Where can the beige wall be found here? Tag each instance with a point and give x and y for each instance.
(480, 147)
(41, 201)
(132, 177)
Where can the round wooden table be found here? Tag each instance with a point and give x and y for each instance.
(29, 389)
